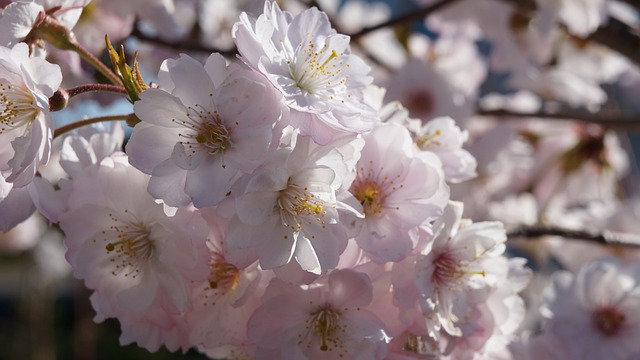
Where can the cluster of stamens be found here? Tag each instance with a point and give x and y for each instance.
(372, 190)
(324, 323)
(317, 71)
(298, 206)
(129, 246)
(223, 276)
(448, 270)
(608, 320)
(16, 107)
(207, 132)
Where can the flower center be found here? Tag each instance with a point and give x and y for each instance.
(608, 321)
(214, 136)
(417, 344)
(447, 269)
(16, 107)
(325, 323)
(420, 103)
(428, 141)
(298, 206)
(130, 249)
(370, 195)
(317, 71)
(223, 276)
(206, 131)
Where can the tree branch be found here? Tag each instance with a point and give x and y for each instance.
(406, 18)
(605, 237)
(181, 45)
(604, 121)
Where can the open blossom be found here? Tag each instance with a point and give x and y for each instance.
(122, 244)
(399, 189)
(290, 209)
(312, 66)
(202, 129)
(328, 320)
(596, 312)
(25, 127)
(455, 275)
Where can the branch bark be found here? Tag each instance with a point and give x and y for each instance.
(604, 121)
(605, 237)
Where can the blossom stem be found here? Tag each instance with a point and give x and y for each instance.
(605, 237)
(66, 128)
(96, 87)
(95, 62)
(406, 18)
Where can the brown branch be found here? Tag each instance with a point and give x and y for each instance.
(403, 19)
(604, 121)
(605, 237)
(185, 45)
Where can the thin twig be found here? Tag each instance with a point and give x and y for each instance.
(72, 126)
(96, 87)
(404, 19)
(605, 237)
(182, 45)
(605, 121)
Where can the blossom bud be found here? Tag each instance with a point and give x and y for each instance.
(53, 32)
(59, 100)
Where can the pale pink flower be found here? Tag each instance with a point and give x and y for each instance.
(312, 66)
(290, 208)
(426, 93)
(122, 244)
(205, 127)
(457, 274)
(327, 320)
(25, 127)
(596, 312)
(444, 138)
(399, 189)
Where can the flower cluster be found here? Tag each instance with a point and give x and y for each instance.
(278, 204)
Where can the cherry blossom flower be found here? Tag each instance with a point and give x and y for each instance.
(456, 274)
(290, 208)
(596, 312)
(25, 128)
(329, 320)
(122, 244)
(203, 128)
(399, 189)
(312, 66)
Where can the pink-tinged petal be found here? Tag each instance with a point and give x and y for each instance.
(253, 208)
(363, 324)
(216, 68)
(306, 256)
(168, 183)
(277, 247)
(160, 108)
(48, 201)
(83, 223)
(139, 297)
(210, 183)
(349, 289)
(150, 145)
(15, 208)
(193, 86)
